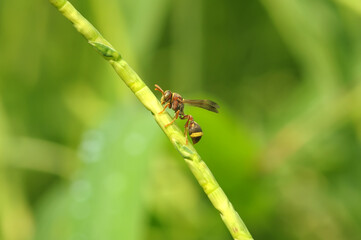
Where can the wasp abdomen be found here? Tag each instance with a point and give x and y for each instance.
(195, 132)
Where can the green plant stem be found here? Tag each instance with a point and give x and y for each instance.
(198, 167)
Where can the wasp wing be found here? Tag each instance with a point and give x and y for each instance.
(206, 104)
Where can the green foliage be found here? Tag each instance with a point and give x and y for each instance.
(104, 197)
(285, 146)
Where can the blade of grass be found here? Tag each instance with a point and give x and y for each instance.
(200, 170)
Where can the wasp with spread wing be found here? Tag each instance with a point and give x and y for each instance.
(175, 102)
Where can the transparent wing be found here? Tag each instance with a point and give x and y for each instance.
(206, 104)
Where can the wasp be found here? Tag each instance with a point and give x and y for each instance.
(176, 102)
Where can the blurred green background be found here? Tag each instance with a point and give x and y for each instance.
(81, 158)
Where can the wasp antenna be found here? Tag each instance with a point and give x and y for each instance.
(157, 88)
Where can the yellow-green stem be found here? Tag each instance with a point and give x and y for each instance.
(198, 167)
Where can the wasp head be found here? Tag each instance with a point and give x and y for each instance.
(166, 97)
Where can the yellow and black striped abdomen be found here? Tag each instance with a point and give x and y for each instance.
(195, 132)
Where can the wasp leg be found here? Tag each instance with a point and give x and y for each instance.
(185, 134)
(175, 117)
(165, 107)
(189, 118)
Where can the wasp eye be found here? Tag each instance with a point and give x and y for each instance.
(167, 95)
